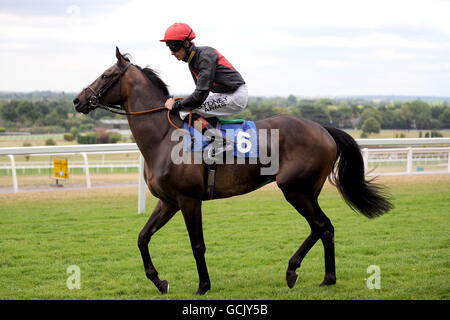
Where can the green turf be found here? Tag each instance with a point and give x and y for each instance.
(249, 241)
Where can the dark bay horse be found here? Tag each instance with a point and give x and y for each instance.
(308, 154)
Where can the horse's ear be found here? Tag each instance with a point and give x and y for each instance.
(118, 54)
(120, 59)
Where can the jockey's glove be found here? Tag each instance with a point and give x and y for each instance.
(177, 106)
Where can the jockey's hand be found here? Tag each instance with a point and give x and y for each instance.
(169, 103)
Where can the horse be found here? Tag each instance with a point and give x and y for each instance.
(309, 153)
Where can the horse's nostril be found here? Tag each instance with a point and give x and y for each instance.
(76, 101)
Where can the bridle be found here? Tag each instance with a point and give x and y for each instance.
(96, 97)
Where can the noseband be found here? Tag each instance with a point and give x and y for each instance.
(96, 97)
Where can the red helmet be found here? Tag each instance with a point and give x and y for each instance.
(180, 32)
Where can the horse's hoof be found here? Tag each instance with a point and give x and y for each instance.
(291, 279)
(164, 287)
(203, 289)
(328, 280)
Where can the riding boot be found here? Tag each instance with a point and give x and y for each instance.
(205, 125)
(202, 122)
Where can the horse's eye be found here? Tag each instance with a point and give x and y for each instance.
(105, 76)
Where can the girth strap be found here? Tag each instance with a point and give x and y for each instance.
(210, 181)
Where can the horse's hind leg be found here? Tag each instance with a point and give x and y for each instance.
(163, 212)
(321, 228)
(327, 237)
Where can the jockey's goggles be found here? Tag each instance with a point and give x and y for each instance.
(174, 46)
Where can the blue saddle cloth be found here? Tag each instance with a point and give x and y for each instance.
(244, 134)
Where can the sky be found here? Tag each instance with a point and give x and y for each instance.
(304, 48)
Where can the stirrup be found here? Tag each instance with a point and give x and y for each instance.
(214, 152)
(204, 124)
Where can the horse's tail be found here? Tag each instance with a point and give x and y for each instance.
(360, 194)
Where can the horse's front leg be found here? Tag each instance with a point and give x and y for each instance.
(192, 213)
(163, 212)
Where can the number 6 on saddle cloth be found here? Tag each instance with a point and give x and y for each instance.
(242, 132)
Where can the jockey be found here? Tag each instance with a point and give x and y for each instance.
(220, 89)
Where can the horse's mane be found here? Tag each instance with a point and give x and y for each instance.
(155, 79)
(152, 76)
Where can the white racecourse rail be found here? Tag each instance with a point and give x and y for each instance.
(405, 145)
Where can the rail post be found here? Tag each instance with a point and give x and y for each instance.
(409, 161)
(142, 188)
(448, 159)
(365, 153)
(14, 174)
(86, 168)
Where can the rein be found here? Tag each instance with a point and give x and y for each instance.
(137, 113)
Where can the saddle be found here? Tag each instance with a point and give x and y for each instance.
(234, 133)
(239, 132)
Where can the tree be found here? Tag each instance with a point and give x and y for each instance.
(316, 114)
(335, 115)
(345, 116)
(53, 119)
(282, 110)
(42, 108)
(291, 100)
(402, 118)
(323, 103)
(356, 110)
(261, 111)
(27, 111)
(368, 113)
(371, 125)
(437, 110)
(445, 118)
(421, 114)
(62, 113)
(246, 114)
(9, 111)
(387, 117)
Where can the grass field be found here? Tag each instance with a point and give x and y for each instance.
(249, 241)
(40, 139)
